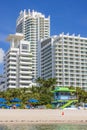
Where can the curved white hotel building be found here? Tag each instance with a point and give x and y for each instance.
(65, 57)
(34, 26)
(18, 63)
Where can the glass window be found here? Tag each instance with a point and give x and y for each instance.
(24, 46)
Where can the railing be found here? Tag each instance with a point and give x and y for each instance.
(65, 97)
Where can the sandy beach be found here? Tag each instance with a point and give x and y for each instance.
(42, 116)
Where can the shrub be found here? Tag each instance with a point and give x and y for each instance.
(49, 106)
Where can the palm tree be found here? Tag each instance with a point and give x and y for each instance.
(47, 84)
(40, 81)
(81, 94)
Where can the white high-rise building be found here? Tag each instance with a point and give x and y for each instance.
(65, 58)
(35, 26)
(18, 63)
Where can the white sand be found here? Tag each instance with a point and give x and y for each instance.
(42, 116)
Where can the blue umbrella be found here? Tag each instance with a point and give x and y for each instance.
(33, 100)
(3, 100)
(3, 105)
(15, 100)
(17, 105)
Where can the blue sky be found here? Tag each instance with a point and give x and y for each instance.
(68, 16)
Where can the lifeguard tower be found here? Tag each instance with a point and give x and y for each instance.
(64, 97)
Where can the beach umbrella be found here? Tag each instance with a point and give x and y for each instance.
(33, 100)
(3, 100)
(3, 105)
(15, 100)
(17, 105)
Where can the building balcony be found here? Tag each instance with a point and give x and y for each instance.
(11, 67)
(11, 72)
(26, 63)
(12, 81)
(25, 72)
(24, 67)
(10, 76)
(25, 76)
(26, 58)
(12, 58)
(11, 86)
(25, 81)
(23, 86)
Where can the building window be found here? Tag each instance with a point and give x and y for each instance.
(24, 47)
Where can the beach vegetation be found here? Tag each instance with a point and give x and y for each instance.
(42, 92)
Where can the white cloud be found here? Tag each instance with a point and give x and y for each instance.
(1, 55)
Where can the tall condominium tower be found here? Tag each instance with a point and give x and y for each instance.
(35, 26)
(65, 58)
(18, 63)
